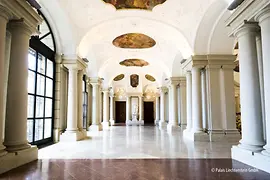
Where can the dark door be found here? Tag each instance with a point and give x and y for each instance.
(120, 112)
(148, 112)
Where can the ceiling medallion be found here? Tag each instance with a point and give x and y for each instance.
(134, 41)
(134, 80)
(150, 78)
(134, 62)
(119, 77)
(135, 4)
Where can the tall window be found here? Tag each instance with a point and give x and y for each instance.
(41, 66)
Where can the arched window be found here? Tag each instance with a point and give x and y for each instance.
(41, 75)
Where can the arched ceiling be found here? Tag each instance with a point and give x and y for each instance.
(92, 25)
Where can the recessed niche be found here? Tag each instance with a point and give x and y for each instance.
(134, 41)
(119, 77)
(134, 62)
(150, 78)
(135, 4)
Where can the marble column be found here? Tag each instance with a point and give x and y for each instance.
(112, 120)
(106, 123)
(183, 104)
(162, 122)
(157, 110)
(251, 112)
(141, 110)
(260, 66)
(96, 126)
(80, 100)
(173, 122)
(204, 101)
(189, 100)
(4, 17)
(264, 22)
(196, 100)
(17, 101)
(128, 110)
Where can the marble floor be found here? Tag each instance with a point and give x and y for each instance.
(136, 142)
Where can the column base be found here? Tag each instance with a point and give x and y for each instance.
(2, 150)
(132, 123)
(172, 127)
(112, 122)
(19, 158)
(183, 126)
(156, 122)
(95, 127)
(195, 136)
(257, 160)
(70, 136)
(56, 135)
(15, 148)
(106, 125)
(162, 125)
(224, 136)
(141, 122)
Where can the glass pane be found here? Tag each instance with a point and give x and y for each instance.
(48, 41)
(48, 108)
(31, 82)
(32, 59)
(49, 87)
(30, 130)
(40, 85)
(41, 64)
(30, 107)
(39, 107)
(48, 128)
(49, 68)
(39, 129)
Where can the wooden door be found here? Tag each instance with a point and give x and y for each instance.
(120, 112)
(148, 112)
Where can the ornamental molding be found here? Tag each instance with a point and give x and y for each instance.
(76, 63)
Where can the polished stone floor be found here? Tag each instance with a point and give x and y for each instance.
(132, 153)
(137, 142)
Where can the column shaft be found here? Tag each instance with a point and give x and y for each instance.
(251, 112)
(183, 104)
(95, 107)
(141, 109)
(204, 101)
(189, 100)
(157, 109)
(112, 120)
(17, 101)
(80, 100)
(72, 124)
(196, 100)
(128, 109)
(173, 106)
(106, 107)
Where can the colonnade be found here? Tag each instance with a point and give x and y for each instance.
(15, 32)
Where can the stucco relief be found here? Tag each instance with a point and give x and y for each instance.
(135, 4)
(150, 78)
(119, 77)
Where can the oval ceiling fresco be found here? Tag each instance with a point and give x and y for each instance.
(119, 77)
(134, 62)
(135, 4)
(134, 41)
(150, 78)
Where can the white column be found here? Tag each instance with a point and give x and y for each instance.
(162, 122)
(264, 22)
(196, 100)
(105, 123)
(183, 104)
(72, 125)
(17, 101)
(80, 100)
(112, 120)
(189, 100)
(204, 101)
(228, 98)
(141, 110)
(260, 66)
(128, 109)
(173, 122)
(3, 24)
(89, 108)
(251, 112)
(96, 126)
(157, 110)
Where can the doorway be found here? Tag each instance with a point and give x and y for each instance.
(149, 113)
(120, 112)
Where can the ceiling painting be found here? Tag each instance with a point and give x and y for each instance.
(119, 77)
(150, 78)
(134, 41)
(134, 62)
(135, 4)
(134, 80)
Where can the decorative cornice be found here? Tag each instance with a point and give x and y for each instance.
(75, 63)
(95, 80)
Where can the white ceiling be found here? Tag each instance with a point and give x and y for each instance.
(88, 27)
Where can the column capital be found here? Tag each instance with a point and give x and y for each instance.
(95, 80)
(163, 89)
(73, 60)
(19, 25)
(247, 27)
(5, 13)
(263, 14)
